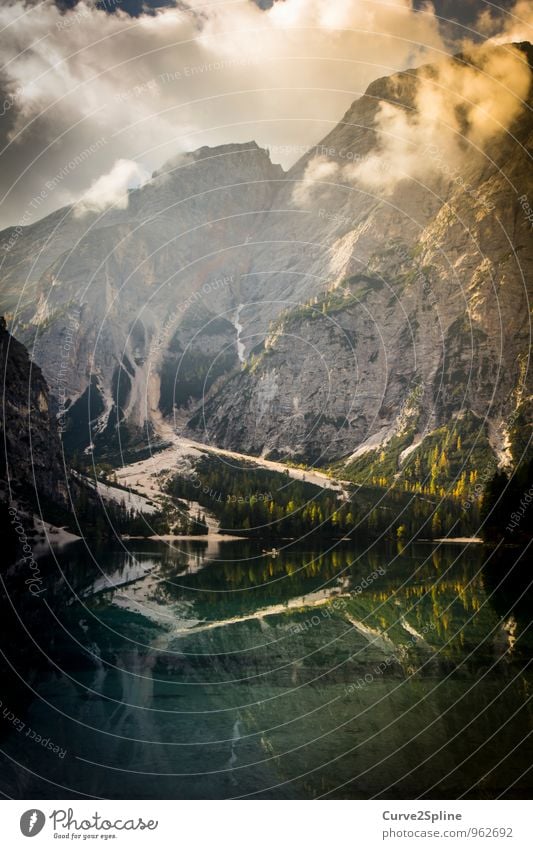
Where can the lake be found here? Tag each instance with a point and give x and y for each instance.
(217, 670)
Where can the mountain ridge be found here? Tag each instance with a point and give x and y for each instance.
(401, 274)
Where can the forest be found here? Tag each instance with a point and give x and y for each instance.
(259, 502)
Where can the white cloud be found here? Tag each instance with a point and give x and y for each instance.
(459, 109)
(181, 78)
(112, 189)
(318, 173)
(160, 84)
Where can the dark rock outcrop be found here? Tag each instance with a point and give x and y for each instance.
(31, 462)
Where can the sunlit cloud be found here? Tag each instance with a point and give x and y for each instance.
(178, 79)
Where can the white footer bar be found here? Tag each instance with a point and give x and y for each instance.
(267, 824)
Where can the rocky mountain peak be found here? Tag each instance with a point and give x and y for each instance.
(301, 310)
(233, 157)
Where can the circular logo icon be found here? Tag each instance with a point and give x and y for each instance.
(32, 822)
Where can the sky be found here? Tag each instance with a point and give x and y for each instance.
(96, 95)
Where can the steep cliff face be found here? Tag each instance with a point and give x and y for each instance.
(31, 465)
(373, 294)
(402, 304)
(102, 296)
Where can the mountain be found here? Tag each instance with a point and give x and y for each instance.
(101, 295)
(31, 463)
(409, 305)
(369, 306)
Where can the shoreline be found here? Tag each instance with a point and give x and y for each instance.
(458, 540)
(170, 537)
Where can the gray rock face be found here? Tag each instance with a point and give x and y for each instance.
(407, 301)
(101, 297)
(304, 314)
(31, 463)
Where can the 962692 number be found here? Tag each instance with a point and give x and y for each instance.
(490, 831)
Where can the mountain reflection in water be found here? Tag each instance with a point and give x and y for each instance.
(214, 670)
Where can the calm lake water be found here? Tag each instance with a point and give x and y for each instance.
(220, 671)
